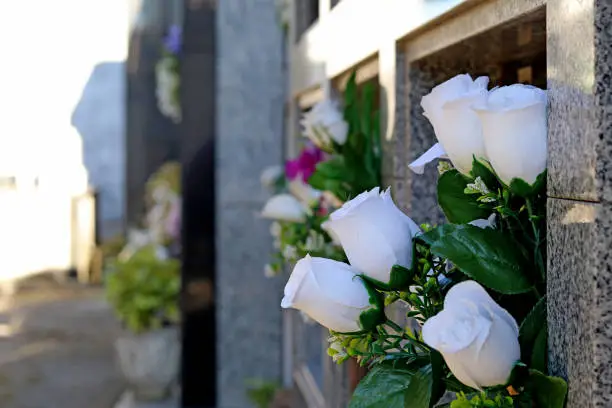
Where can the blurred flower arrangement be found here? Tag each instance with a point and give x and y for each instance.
(466, 284)
(283, 10)
(167, 76)
(143, 281)
(341, 158)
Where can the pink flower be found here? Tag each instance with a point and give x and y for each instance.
(304, 165)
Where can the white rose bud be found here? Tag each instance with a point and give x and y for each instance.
(477, 338)
(457, 128)
(304, 192)
(271, 175)
(374, 234)
(325, 123)
(329, 292)
(284, 207)
(514, 130)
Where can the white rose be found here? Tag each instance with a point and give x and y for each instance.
(514, 130)
(325, 123)
(477, 337)
(271, 175)
(269, 271)
(329, 292)
(304, 192)
(276, 229)
(284, 207)
(457, 127)
(374, 233)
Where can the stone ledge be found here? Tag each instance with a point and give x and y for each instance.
(127, 401)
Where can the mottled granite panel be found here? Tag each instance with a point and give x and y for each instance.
(248, 305)
(580, 299)
(423, 191)
(495, 53)
(394, 163)
(249, 137)
(579, 53)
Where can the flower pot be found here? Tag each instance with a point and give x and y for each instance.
(149, 362)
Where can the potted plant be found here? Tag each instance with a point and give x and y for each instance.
(143, 288)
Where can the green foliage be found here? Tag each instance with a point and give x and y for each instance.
(389, 387)
(356, 165)
(532, 336)
(144, 290)
(295, 240)
(459, 208)
(168, 175)
(261, 393)
(482, 400)
(484, 254)
(547, 392)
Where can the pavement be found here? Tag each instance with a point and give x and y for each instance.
(57, 347)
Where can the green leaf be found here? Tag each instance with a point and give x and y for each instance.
(435, 234)
(531, 335)
(523, 189)
(547, 392)
(418, 393)
(399, 278)
(350, 92)
(390, 387)
(459, 208)
(437, 373)
(539, 359)
(486, 173)
(485, 255)
(374, 316)
(332, 175)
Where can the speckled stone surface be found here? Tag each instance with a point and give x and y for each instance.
(494, 53)
(579, 53)
(580, 299)
(249, 137)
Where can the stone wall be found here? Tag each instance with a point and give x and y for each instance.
(570, 48)
(579, 49)
(250, 93)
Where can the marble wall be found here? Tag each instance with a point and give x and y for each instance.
(249, 134)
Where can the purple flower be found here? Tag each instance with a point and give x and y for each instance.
(304, 165)
(173, 40)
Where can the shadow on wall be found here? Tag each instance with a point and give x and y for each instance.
(99, 117)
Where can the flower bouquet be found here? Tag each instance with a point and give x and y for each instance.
(143, 286)
(342, 160)
(167, 76)
(475, 288)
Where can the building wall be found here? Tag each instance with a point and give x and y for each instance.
(250, 84)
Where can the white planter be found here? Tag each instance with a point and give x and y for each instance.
(150, 362)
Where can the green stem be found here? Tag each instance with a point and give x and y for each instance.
(394, 326)
(536, 233)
